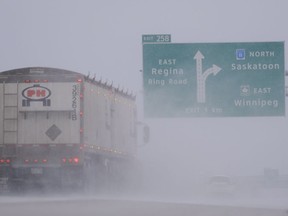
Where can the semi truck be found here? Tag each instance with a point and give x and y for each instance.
(59, 127)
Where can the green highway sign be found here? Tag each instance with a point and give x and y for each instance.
(213, 79)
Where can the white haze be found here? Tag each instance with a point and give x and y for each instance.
(104, 38)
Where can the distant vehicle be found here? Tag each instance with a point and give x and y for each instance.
(221, 186)
(61, 127)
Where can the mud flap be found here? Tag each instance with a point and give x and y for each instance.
(4, 185)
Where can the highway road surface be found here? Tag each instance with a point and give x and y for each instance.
(92, 206)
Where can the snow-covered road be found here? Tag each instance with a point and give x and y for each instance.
(92, 206)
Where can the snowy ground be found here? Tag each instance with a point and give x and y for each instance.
(71, 204)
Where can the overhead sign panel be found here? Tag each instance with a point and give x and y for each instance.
(213, 79)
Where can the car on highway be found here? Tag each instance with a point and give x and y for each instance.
(221, 185)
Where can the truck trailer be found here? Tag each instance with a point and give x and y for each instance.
(62, 128)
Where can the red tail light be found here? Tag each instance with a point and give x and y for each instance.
(76, 160)
(5, 160)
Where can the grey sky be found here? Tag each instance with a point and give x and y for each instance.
(104, 37)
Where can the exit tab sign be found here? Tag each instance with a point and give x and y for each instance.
(159, 38)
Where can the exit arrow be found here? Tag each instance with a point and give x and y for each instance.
(213, 70)
(202, 76)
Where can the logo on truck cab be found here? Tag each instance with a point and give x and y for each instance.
(36, 93)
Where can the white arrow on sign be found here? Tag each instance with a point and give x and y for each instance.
(202, 76)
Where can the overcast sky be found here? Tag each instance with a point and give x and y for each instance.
(103, 37)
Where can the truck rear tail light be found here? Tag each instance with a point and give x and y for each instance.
(35, 81)
(72, 160)
(5, 161)
(27, 161)
(76, 160)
